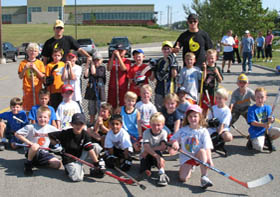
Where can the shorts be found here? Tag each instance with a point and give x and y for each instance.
(148, 162)
(192, 162)
(28, 100)
(13, 139)
(228, 56)
(258, 142)
(92, 107)
(204, 98)
(42, 158)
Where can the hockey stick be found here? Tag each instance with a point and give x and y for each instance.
(251, 184)
(238, 131)
(117, 82)
(201, 88)
(16, 118)
(33, 87)
(143, 187)
(127, 181)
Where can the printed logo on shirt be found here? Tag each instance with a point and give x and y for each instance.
(194, 46)
(191, 143)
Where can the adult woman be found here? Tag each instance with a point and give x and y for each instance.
(268, 46)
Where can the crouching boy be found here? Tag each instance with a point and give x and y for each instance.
(36, 136)
(76, 141)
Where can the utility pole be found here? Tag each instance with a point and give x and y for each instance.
(170, 16)
(160, 15)
(168, 8)
(76, 33)
(2, 59)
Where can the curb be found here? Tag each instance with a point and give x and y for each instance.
(265, 68)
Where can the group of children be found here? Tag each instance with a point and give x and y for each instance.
(130, 122)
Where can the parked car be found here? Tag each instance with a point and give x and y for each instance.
(9, 51)
(88, 45)
(21, 49)
(119, 40)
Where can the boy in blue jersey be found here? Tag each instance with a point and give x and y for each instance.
(16, 119)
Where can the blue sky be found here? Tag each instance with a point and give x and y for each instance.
(160, 6)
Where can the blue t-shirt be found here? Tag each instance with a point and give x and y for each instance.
(12, 124)
(130, 122)
(33, 113)
(258, 114)
(247, 44)
(260, 41)
(170, 118)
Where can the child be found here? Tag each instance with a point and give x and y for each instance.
(101, 126)
(135, 72)
(67, 108)
(223, 114)
(154, 142)
(95, 92)
(54, 72)
(213, 76)
(194, 139)
(12, 124)
(145, 106)
(259, 118)
(44, 97)
(36, 136)
(118, 145)
(32, 73)
(131, 118)
(189, 78)
(71, 74)
(165, 73)
(75, 141)
(171, 114)
(118, 66)
(241, 99)
(183, 102)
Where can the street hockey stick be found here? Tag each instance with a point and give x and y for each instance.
(201, 88)
(143, 187)
(127, 181)
(33, 87)
(117, 82)
(251, 184)
(16, 118)
(238, 131)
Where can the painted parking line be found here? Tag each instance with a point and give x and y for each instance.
(4, 110)
(4, 77)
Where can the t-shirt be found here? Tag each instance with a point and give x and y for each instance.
(146, 110)
(241, 102)
(223, 115)
(189, 78)
(65, 111)
(133, 73)
(154, 139)
(191, 141)
(57, 74)
(170, 119)
(66, 43)
(247, 44)
(33, 113)
(211, 82)
(37, 134)
(76, 84)
(258, 114)
(12, 124)
(236, 45)
(182, 108)
(121, 140)
(72, 143)
(260, 41)
(130, 122)
(268, 39)
(228, 40)
(195, 42)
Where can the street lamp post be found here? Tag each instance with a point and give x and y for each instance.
(2, 59)
(76, 36)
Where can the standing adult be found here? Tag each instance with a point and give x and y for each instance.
(247, 51)
(228, 42)
(268, 46)
(194, 40)
(236, 50)
(66, 43)
(260, 45)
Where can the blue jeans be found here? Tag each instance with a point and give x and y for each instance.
(247, 55)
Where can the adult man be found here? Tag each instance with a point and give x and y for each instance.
(60, 41)
(227, 42)
(194, 40)
(247, 51)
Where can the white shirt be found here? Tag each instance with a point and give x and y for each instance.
(146, 110)
(223, 115)
(228, 40)
(121, 140)
(77, 70)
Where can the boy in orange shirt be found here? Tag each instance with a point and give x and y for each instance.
(32, 72)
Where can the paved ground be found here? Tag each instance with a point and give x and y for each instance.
(241, 163)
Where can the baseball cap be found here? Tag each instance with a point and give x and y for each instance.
(247, 32)
(72, 53)
(182, 89)
(167, 43)
(97, 55)
(58, 23)
(195, 108)
(192, 16)
(78, 118)
(67, 87)
(120, 46)
(137, 51)
(243, 77)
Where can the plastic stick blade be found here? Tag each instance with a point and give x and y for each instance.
(261, 181)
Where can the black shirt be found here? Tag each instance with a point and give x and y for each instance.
(170, 118)
(211, 82)
(197, 43)
(66, 43)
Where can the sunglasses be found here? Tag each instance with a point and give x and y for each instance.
(192, 21)
(59, 28)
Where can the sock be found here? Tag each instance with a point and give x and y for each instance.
(161, 171)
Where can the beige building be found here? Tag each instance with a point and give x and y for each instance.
(46, 11)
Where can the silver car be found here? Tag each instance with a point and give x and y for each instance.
(88, 45)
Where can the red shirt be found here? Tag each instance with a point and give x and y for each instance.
(236, 44)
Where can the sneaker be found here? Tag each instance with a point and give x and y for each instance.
(205, 182)
(28, 168)
(2, 146)
(249, 71)
(163, 180)
(270, 61)
(228, 71)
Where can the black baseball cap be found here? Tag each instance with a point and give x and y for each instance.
(78, 118)
(192, 16)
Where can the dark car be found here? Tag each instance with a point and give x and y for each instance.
(9, 51)
(21, 49)
(119, 40)
(88, 45)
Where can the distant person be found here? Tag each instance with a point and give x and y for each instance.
(60, 41)
(236, 50)
(247, 50)
(260, 46)
(268, 46)
(228, 42)
(194, 40)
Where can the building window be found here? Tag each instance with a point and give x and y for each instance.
(7, 18)
(32, 9)
(119, 16)
(56, 9)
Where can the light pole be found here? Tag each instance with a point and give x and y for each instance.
(2, 59)
(76, 36)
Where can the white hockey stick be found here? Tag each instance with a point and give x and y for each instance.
(16, 118)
